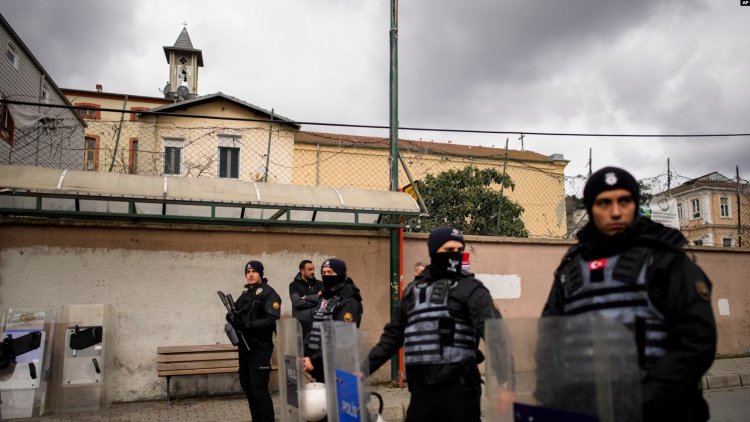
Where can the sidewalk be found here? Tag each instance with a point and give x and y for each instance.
(733, 372)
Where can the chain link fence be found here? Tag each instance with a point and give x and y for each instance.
(257, 151)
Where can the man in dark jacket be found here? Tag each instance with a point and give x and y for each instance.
(305, 292)
(342, 301)
(632, 270)
(439, 322)
(257, 310)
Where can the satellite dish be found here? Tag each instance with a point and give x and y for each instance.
(183, 91)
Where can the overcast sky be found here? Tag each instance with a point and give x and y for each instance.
(581, 66)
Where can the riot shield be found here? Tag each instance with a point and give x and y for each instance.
(23, 384)
(343, 357)
(290, 354)
(83, 371)
(577, 368)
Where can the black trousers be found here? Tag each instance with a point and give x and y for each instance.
(446, 402)
(255, 371)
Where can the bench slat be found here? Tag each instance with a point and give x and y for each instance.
(196, 348)
(188, 357)
(230, 370)
(198, 365)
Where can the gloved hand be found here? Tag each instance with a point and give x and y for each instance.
(234, 319)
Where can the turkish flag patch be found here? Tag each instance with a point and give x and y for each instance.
(596, 269)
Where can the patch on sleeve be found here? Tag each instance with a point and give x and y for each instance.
(703, 290)
(348, 317)
(276, 305)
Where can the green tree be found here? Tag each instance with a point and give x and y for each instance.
(470, 200)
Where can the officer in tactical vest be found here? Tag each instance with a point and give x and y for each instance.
(439, 322)
(633, 270)
(342, 301)
(257, 310)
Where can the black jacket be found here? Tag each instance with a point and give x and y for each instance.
(469, 300)
(680, 290)
(349, 308)
(258, 307)
(304, 296)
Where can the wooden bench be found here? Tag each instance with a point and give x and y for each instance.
(195, 360)
(200, 360)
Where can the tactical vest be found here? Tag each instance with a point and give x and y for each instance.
(433, 336)
(615, 288)
(323, 313)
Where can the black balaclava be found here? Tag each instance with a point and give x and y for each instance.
(332, 283)
(444, 264)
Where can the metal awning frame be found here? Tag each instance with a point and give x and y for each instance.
(385, 218)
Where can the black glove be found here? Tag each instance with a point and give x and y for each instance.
(230, 317)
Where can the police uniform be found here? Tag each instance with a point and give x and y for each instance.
(644, 280)
(258, 308)
(439, 323)
(342, 303)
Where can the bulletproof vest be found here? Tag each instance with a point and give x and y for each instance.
(323, 313)
(433, 336)
(615, 288)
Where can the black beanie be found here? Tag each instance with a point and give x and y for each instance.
(337, 265)
(440, 235)
(255, 265)
(609, 178)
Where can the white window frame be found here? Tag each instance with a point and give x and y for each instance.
(695, 208)
(174, 143)
(45, 94)
(728, 207)
(679, 211)
(12, 50)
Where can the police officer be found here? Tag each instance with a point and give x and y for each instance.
(633, 270)
(342, 301)
(305, 292)
(439, 322)
(257, 310)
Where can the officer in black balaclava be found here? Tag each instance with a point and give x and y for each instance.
(633, 271)
(341, 301)
(439, 322)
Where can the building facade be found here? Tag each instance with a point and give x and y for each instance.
(714, 210)
(34, 134)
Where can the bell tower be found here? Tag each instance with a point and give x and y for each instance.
(184, 61)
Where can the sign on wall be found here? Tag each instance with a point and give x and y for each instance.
(664, 211)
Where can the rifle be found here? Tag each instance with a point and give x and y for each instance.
(234, 335)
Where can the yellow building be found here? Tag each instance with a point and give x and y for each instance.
(328, 159)
(217, 135)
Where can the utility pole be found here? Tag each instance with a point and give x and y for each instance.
(268, 150)
(739, 209)
(669, 179)
(502, 186)
(395, 266)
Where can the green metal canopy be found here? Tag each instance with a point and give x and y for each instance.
(47, 192)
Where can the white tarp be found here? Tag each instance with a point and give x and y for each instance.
(26, 116)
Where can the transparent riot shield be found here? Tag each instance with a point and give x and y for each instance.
(290, 354)
(343, 357)
(86, 345)
(23, 384)
(577, 368)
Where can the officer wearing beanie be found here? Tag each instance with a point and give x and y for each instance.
(439, 322)
(257, 310)
(634, 271)
(341, 301)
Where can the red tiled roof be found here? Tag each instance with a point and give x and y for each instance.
(416, 146)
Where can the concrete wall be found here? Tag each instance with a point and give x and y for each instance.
(163, 282)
